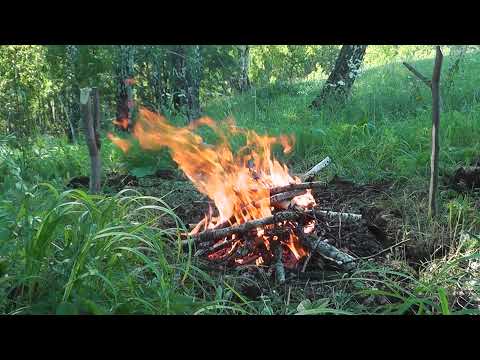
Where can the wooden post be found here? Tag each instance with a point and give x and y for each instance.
(97, 115)
(432, 195)
(434, 86)
(92, 137)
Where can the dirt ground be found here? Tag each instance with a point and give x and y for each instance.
(377, 230)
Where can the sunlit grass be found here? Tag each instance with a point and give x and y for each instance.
(68, 252)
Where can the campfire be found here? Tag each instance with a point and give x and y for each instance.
(262, 214)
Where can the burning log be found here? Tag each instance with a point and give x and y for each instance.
(223, 230)
(217, 234)
(239, 193)
(277, 199)
(299, 186)
(316, 169)
(324, 249)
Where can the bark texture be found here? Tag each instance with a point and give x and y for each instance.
(341, 79)
(125, 81)
(91, 127)
(432, 194)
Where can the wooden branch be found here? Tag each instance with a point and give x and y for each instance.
(328, 251)
(343, 215)
(91, 137)
(384, 250)
(277, 199)
(418, 74)
(299, 186)
(215, 247)
(212, 235)
(433, 189)
(279, 268)
(223, 230)
(316, 169)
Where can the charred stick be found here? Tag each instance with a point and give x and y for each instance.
(215, 247)
(223, 230)
(217, 234)
(275, 200)
(279, 268)
(330, 252)
(299, 186)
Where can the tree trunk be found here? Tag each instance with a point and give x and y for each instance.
(341, 80)
(434, 86)
(432, 195)
(97, 115)
(71, 129)
(72, 91)
(125, 75)
(179, 76)
(194, 78)
(157, 83)
(188, 76)
(244, 81)
(92, 138)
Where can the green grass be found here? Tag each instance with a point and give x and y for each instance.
(64, 251)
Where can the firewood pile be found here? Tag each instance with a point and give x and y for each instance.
(264, 216)
(286, 239)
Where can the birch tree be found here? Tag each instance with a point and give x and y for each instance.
(125, 81)
(341, 79)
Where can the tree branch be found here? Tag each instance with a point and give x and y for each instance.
(418, 74)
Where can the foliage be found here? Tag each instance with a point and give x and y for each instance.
(66, 252)
(272, 63)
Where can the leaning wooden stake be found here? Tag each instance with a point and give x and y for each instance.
(434, 86)
(92, 137)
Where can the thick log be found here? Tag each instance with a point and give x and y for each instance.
(328, 251)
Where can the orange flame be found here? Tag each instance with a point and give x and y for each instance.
(233, 180)
(123, 123)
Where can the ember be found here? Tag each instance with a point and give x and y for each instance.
(265, 215)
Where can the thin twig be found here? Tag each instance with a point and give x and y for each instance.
(383, 251)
